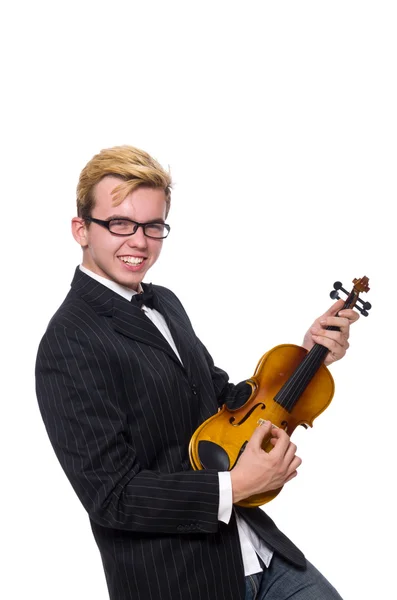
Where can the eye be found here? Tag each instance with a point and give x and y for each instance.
(120, 225)
(154, 229)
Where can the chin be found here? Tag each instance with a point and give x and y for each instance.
(130, 282)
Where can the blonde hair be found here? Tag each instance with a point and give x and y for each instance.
(133, 166)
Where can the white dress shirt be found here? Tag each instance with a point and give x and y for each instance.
(251, 545)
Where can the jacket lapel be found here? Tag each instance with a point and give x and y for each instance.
(131, 321)
(126, 318)
(182, 335)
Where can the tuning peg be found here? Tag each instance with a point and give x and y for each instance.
(335, 296)
(365, 307)
(337, 286)
(363, 311)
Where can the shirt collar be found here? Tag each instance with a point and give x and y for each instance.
(127, 293)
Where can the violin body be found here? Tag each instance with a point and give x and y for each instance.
(231, 429)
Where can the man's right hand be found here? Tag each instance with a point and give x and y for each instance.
(258, 471)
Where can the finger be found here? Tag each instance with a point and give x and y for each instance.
(280, 440)
(336, 348)
(293, 468)
(340, 337)
(290, 453)
(337, 309)
(336, 351)
(297, 461)
(333, 309)
(263, 430)
(350, 314)
(293, 474)
(344, 319)
(340, 322)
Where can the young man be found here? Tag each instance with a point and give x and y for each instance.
(122, 384)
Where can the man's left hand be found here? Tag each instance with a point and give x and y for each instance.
(337, 342)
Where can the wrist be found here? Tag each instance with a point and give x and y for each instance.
(237, 487)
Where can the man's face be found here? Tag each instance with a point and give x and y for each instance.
(122, 259)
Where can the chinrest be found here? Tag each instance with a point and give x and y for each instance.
(213, 456)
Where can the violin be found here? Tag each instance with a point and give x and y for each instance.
(291, 386)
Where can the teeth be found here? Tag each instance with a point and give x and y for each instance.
(131, 260)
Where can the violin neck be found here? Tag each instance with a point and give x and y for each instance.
(294, 387)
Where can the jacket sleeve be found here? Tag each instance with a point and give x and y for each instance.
(77, 396)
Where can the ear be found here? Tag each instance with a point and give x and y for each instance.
(79, 231)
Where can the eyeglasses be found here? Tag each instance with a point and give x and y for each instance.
(124, 227)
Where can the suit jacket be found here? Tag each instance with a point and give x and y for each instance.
(120, 409)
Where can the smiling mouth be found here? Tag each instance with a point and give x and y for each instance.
(132, 260)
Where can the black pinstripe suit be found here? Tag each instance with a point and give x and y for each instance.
(120, 409)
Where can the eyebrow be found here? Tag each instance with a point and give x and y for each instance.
(124, 218)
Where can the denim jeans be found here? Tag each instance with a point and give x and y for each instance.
(282, 581)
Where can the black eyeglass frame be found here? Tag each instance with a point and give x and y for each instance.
(106, 225)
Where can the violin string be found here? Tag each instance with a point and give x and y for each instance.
(296, 384)
(286, 388)
(309, 368)
(308, 371)
(288, 391)
(299, 383)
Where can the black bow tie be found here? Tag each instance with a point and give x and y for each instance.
(146, 297)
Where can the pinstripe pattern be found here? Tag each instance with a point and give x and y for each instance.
(120, 409)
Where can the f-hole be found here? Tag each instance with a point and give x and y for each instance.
(259, 406)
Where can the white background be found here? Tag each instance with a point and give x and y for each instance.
(278, 121)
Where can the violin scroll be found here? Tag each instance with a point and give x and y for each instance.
(360, 286)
